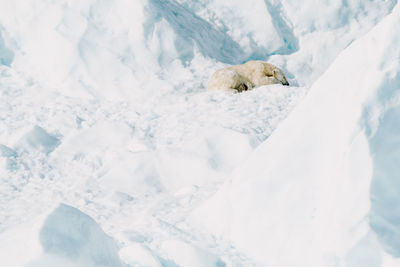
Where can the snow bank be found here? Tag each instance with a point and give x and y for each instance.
(71, 238)
(305, 192)
(321, 30)
(65, 237)
(381, 121)
(254, 33)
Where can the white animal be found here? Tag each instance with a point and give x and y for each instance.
(246, 76)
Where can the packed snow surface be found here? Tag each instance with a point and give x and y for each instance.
(113, 153)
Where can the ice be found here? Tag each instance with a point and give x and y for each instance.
(318, 31)
(104, 106)
(308, 185)
(38, 139)
(192, 30)
(382, 124)
(7, 152)
(65, 237)
(254, 35)
(71, 238)
(138, 255)
(6, 55)
(183, 254)
(7, 157)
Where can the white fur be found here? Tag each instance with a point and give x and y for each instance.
(246, 76)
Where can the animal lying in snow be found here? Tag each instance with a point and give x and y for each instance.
(246, 76)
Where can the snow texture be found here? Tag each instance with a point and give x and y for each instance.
(69, 236)
(113, 153)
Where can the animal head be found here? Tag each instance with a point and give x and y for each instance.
(280, 76)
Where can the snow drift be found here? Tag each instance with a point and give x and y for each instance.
(305, 192)
(70, 237)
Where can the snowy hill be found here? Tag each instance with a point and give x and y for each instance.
(113, 153)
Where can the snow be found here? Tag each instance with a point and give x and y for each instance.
(70, 235)
(38, 139)
(308, 184)
(6, 55)
(185, 255)
(113, 153)
(138, 255)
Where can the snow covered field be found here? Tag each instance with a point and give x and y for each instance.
(113, 153)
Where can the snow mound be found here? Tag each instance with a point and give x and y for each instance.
(38, 139)
(70, 237)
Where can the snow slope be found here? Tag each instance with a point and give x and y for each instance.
(308, 185)
(112, 152)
